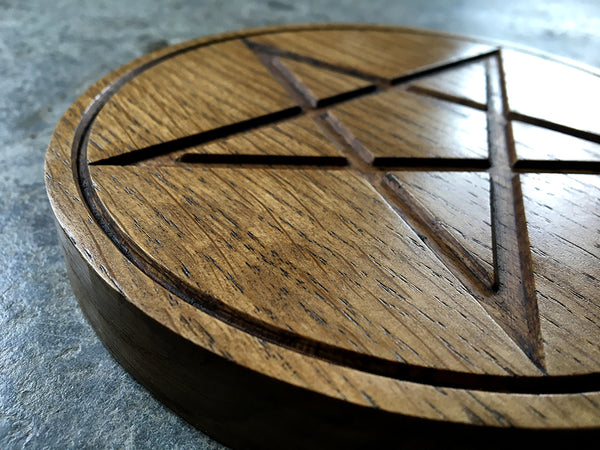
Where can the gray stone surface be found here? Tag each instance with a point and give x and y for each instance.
(59, 387)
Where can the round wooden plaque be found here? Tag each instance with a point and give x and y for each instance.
(342, 235)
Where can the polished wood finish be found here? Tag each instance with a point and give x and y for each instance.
(572, 105)
(463, 84)
(563, 212)
(342, 235)
(320, 85)
(411, 126)
(542, 148)
(179, 97)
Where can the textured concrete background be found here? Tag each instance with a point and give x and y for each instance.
(59, 387)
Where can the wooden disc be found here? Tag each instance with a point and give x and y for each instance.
(342, 235)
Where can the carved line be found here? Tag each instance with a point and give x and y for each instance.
(314, 162)
(556, 166)
(467, 164)
(564, 129)
(448, 97)
(291, 83)
(400, 162)
(475, 276)
(294, 83)
(270, 50)
(164, 148)
(528, 280)
(445, 240)
(358, 150)
(376, 79)
(509, 226)
(442, 67)
(421, 375)
(345, 96)
(306, 93)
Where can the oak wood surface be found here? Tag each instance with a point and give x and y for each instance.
(407, 125)
(463, 84)
(354, 229)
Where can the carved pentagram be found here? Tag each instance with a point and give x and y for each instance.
(513, 289)
(217, 205)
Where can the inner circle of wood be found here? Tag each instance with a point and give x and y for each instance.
(416, 252)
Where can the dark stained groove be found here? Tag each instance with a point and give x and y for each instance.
(462, 264)
(264, 160)
(530, 296)
(300, 91)
(442, 67)
(306, 97)
(164, 148)
(345, 96)
(419, 73)
(432, 167)
(432, 163)
(286, 79)
(444, 239)
(515, 277)
(476, 276)
(581, 134)
(283, 337)
(448, 97)
(362, 158)
(528, 280)
(268, 49)
(554, 166)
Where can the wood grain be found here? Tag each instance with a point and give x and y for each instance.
(184, 96)
(573, 105)
(404, 125)
(270, 258)
(452, 196)
(344, 229)
(321, 85)
(270, 144)
(464, 84)
(564, 225)
(372, 53)
(516, 304)
(543, 149)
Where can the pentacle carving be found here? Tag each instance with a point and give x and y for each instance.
(394, 219)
